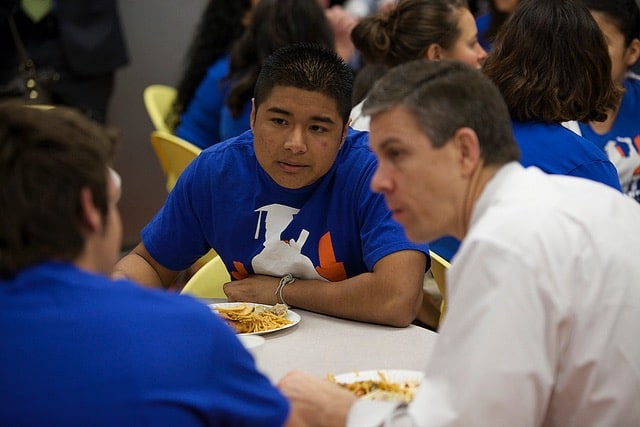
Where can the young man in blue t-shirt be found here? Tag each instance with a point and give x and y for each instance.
(291, 196)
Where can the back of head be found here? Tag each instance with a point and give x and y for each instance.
(274, 24)
(221, 24)
(625, 14)
(46, 158)
(406, 31)
(309, 67)
(551, 63)
(444, 96)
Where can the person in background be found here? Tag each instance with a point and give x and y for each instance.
(363, 8)
(542, 321)
(489, 23)
(222, 23)
(414, 29)
(619, 134)
(536, 72)
(287, 205)
(364, 80)
(342, 22)
(82, 42)
(77, 347)
(221, 105)
(343, 16)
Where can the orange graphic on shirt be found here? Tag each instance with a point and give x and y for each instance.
(329, 267)
(636, 142)
(240, 272)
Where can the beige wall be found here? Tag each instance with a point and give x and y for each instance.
(157, 33)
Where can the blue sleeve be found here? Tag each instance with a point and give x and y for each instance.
(200, 123)
(175, 236)
(601, 171)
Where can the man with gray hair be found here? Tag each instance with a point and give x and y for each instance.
(544, 293)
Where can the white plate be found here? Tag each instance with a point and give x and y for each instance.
(291, 315)
(392, 375)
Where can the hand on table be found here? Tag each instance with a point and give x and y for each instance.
(258, 289)
(315, 400)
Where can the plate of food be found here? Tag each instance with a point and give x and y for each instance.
(382, 384)
(256, 319)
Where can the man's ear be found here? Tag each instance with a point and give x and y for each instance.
(345, 132)
(468, 145)
(633, 52)
(433, 52)
(91, 217)
(252, 118)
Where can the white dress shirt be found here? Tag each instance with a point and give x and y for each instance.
(543, 313)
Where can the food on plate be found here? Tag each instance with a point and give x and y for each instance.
(245, 318)
(382, 388)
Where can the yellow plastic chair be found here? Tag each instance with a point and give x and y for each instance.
(207, 282)
(433, 308)
(174, 154)
(157, 101)
(439, 267)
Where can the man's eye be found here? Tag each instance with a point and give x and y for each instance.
(318, 129)
(394, 154)
(278, 121)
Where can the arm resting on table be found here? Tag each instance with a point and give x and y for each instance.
(139, 266)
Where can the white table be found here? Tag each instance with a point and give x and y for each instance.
(328, 345)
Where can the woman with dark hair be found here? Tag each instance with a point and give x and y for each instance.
(490, 23)
(415, 29)
(551, 63)
(221, 105)
(222, 24)
(619, 134)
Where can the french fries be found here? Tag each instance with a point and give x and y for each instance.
(249, 318)
(382, 389)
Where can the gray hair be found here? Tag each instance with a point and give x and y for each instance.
(444, 96)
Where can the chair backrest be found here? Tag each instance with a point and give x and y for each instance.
(439, 267)
(207, 282)
(157, 101)
(174, 154)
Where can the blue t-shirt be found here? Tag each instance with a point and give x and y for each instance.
(622, 142)
(333, 229)
(560, 151)
(77, 349)
(556, 150)
(483, 22)
(207, 120)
